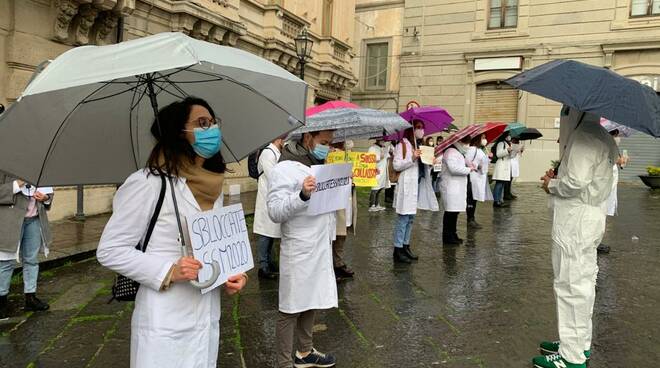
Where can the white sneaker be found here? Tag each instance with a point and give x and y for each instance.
(373, 209)
(380, 208)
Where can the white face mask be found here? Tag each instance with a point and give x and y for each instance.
(484, 142)
(349, 145)
(419, 133)
(617, 140)
(508, 139)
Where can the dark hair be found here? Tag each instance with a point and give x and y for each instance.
(171, 143)
(467, 139)
(410, 132)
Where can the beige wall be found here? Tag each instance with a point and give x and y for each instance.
(437, 66)
(32, 31)
(378, 21)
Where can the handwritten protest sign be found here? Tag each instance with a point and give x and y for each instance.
(220, 235)
(364, 166)
(428, 155)
(333, 186)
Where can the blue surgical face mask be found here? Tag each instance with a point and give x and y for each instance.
(207, 141)
(321, 151)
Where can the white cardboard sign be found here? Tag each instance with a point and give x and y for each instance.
(333, 188)
(220, 235)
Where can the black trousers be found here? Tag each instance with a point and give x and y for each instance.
(471, 202)
(449, 220)
(373, 197)
(389, 194)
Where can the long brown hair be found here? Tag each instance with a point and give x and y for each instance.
(172, 150)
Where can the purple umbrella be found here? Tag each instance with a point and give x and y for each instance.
(435, 118)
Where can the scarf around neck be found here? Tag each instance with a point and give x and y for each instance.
(205, 185)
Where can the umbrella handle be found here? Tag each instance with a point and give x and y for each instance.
(215, 272)
(215, 266)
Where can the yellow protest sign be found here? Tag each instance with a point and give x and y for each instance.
(364, 166)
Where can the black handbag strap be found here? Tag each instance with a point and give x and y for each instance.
(154, 217)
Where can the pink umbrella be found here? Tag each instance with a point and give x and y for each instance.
(470, 130)
(338, 104)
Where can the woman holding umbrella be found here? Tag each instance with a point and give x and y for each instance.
(173, 323)
(405, 162)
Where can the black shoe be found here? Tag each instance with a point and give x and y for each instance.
(409, 253)
(274, 269)
(511, 197)
(344, 272)
(33, 304)
(4, 307)
(474, 224)
(400, 256)
(458, 240)
(451, 241)
(603, 249)
(314, 359)
(500, 205)
(266, 275)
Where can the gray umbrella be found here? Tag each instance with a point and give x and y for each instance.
(85, 118)
(596, 90)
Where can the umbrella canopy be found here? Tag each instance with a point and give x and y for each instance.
(529, 134)
(470, 130)
(515, 128)
(337, 104)
(85, 118)
(355, 123)
(492, 130)
(596, 90)
(610, 126)
(435, 119)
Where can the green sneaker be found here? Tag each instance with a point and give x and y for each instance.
(552, 347)
(554, 361)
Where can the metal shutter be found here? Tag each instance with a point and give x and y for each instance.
(496, 102)
(643, 151)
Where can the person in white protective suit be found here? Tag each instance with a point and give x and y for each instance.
(579, 193)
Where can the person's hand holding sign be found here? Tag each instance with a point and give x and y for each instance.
(309, 185)
(235, 283)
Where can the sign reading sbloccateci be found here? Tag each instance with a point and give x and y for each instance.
(220, 235)
(333, 187)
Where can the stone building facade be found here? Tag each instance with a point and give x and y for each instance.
(33, 31)
(457, 53)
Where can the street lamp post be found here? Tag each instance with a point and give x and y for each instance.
(303, 49)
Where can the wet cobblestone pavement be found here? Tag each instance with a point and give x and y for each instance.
(483, 304)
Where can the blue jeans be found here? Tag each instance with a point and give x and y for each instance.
(498, 193)
(265, 251)
(402, 230)
(30, 244)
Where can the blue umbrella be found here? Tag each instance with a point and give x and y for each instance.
(596, 90)
(515, 128)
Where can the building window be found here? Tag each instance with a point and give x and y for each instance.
(642, 8)
(376, 73)
(503, 14)
(326, 26)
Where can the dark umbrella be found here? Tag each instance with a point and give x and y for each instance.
(529, 134)
(596, 90)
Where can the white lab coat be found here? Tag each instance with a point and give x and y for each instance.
(503, 165)
(307, 278)
(479, 179)
(178, 327)
(453, 184)
(407, 187)
(382, 154)
(262, 223)
(516, 153)
(612, 200)
(580, 192)
(426, 199)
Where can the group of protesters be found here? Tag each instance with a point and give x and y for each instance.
(186, 162)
